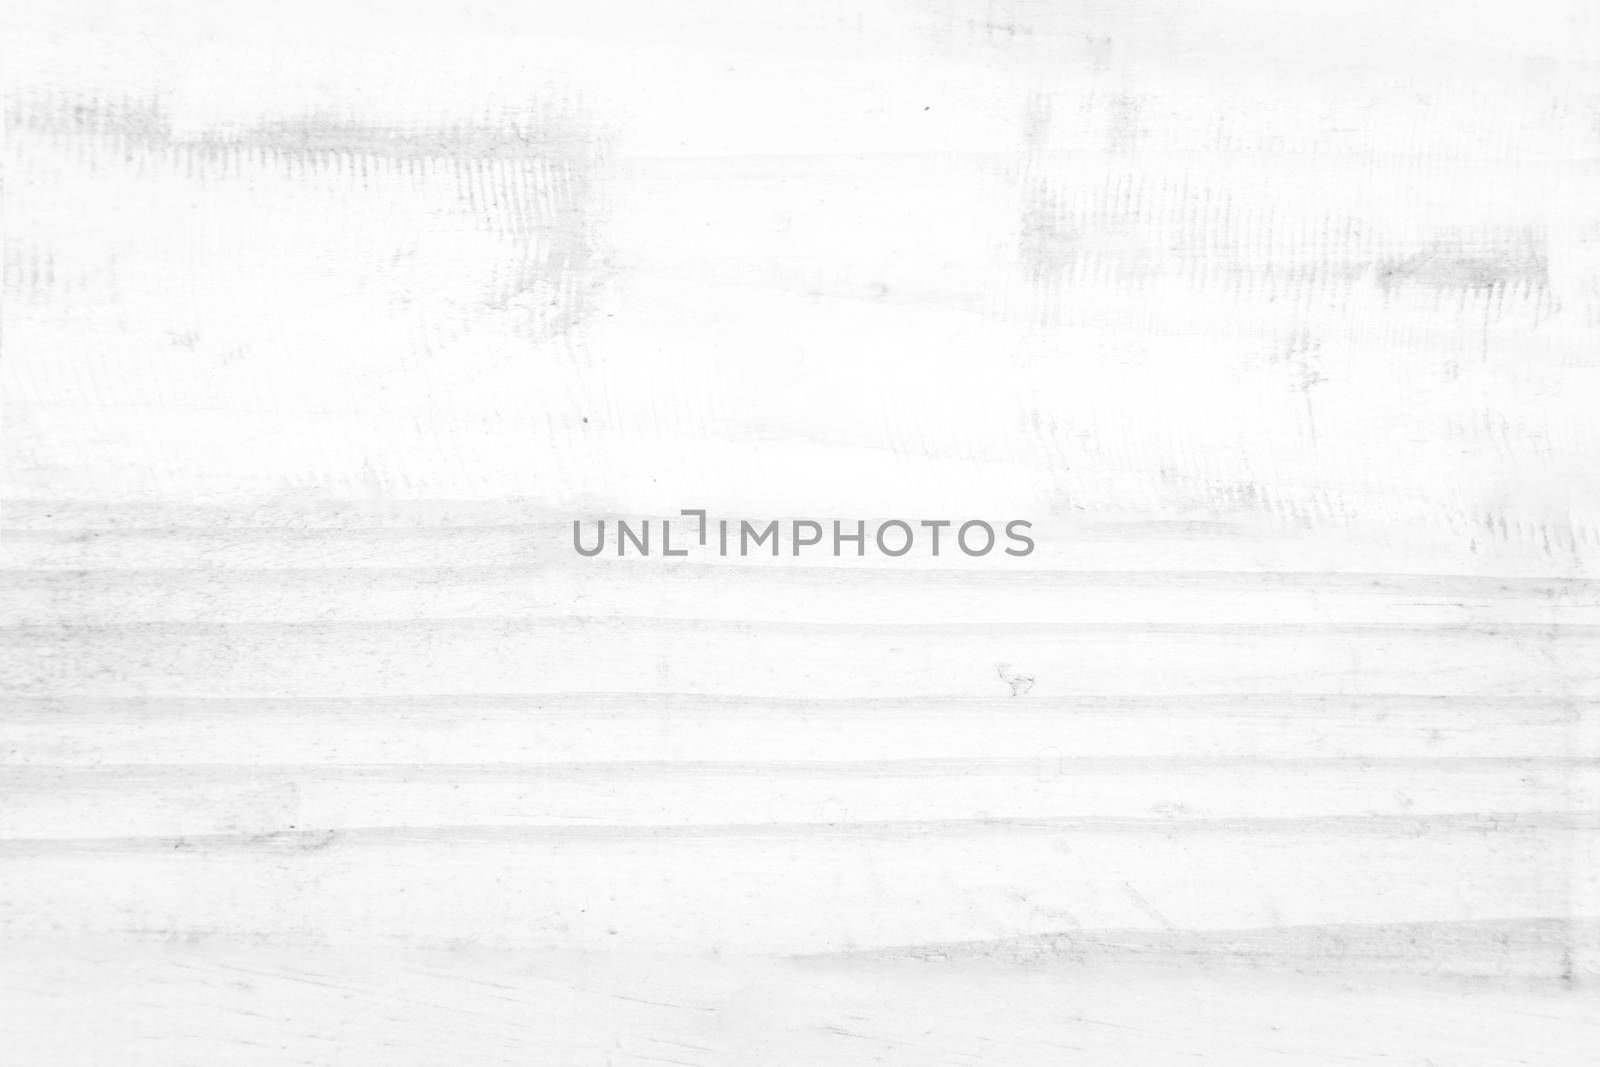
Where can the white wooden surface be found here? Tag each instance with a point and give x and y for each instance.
(322, 322)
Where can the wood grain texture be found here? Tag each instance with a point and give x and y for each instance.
(322, 323)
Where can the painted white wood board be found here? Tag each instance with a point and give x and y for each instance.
(322, 323)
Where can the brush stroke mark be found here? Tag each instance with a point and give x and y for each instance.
(529, 178)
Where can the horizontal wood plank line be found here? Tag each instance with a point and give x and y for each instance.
(629, 570)
(1242, 701)
(19, 772)
(156, 627)
(1470, 823)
